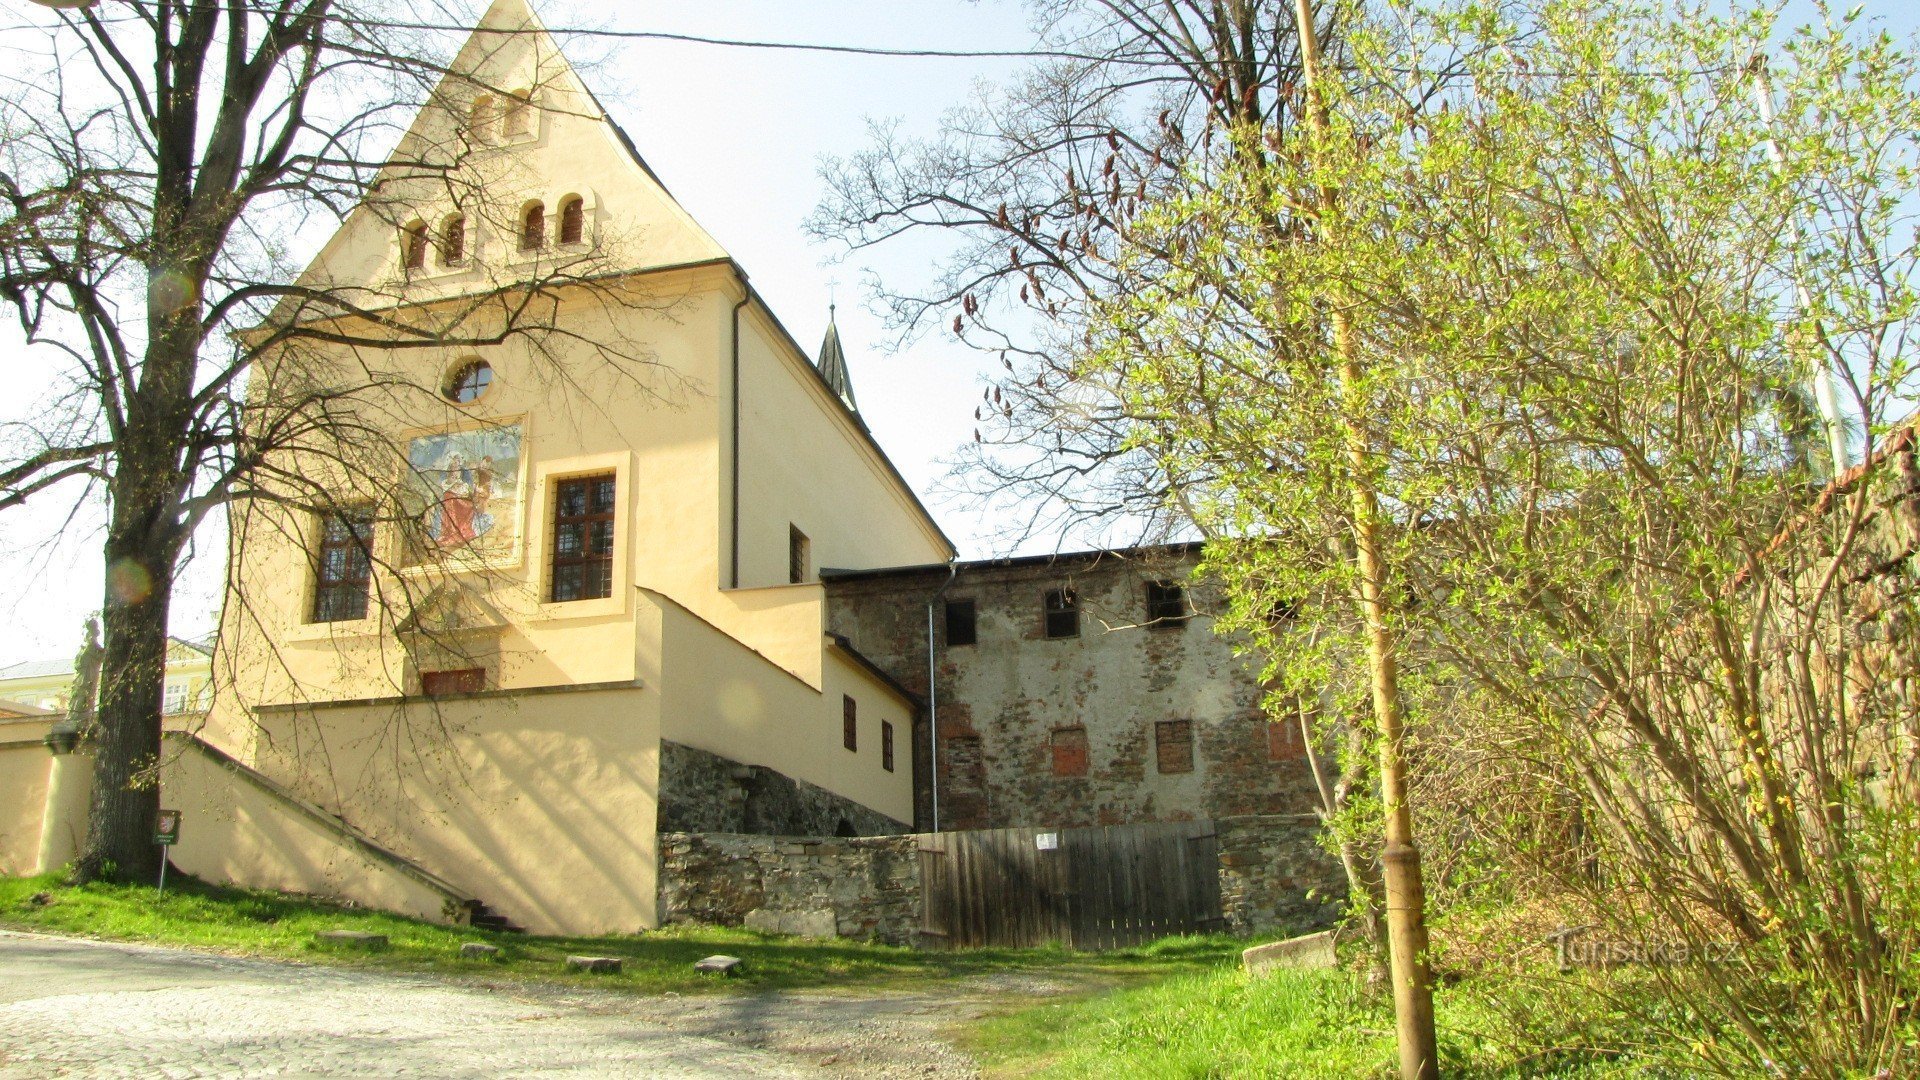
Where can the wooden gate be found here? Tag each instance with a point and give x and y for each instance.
(1100, 888)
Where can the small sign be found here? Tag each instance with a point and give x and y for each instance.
(166, 828)
(1046, 841)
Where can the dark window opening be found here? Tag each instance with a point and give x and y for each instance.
(583, 539)
(962, 624)
(453, 242)
(886, 745)
(849, 728)
(843, 827)
(1284, 611)
(1070, 751)
(533, 228)
(799, 555)
(1173, 745)
(1166, 604)
(462, 681)
(416, 245)
(573, 221)
(343, 567)
(1063, 613)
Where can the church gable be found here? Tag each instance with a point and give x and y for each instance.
(511, 172)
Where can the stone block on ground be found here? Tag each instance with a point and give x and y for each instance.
(352, 939)
(807, 924)
(600, 965)
(475, 950)
(722, 965)
(1313, 951)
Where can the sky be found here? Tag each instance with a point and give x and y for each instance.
(737, 135)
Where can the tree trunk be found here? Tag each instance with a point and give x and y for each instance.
(126, 736)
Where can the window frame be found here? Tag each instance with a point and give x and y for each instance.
(849, 723)
(886, 745)
(450, 387)
(557, 520)
(415, 239)
(972, 609)
(320, 609)
(477, 676)
(532, 227)
(1060, 603)
(1163, 594)
(573, 219)
(799, 556)
(452, 244)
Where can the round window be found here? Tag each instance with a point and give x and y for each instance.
(469, 381)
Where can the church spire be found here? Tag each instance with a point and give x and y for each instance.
(833, 363)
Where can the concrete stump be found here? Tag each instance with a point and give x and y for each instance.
(352, 939)
(1313, 951)
(723, 965)
(474, 950)
(599, 965)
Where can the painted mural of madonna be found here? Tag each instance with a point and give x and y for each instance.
(464, 488)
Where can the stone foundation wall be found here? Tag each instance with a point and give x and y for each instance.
(702, 792)
(1275, 878)
(865, 888)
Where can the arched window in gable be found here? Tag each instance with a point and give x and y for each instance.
(533, 227)
(480, 119)
(413, 253)
(519, 116)
(573, 220)
(453, 241)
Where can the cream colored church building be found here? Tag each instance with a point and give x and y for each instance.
(619, 536)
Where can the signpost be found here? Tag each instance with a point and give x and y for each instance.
(166, 833)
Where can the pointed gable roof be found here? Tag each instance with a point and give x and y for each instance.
(577, 150)
(833, 365)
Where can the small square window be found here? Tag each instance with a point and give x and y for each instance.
(799, 555)
(1173, 745)
(962, 625)
(849, 725)
(886, 745)
(1063, 613)
(1070, 751)
(1166, 604)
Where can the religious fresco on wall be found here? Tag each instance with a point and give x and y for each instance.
(464, 489)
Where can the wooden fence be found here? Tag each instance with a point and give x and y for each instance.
(1099, 888)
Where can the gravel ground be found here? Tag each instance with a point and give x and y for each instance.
(96, 1009)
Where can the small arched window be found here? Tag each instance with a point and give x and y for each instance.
(519, 120)
(414, 246)
(533, 227)
(480, 119)
(573, 220)
(453, 241)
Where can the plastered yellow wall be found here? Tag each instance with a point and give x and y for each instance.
(24, 763)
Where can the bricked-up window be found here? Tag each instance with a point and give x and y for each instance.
(573, 221)
(343, 567)
(1283, 740)
(886, 745)
(415, 244)
(962, 623)
(519, 115)
(1173, 745)
(533, 228)
(799, 555)
(1063, 613)
(583, 538)
(1166, 604)
(461, 681)
(1070, 751)
(849, 723)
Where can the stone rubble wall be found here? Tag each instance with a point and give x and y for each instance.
(702, 792)
(865, 888)
(1274, 878)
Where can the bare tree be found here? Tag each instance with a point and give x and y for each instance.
(158, 167)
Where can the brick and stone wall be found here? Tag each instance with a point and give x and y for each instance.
(866, 888)
(1275, 878)
(1002, 700)
(702, 792)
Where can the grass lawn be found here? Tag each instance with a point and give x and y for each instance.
(268, 924)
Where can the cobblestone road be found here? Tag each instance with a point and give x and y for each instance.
(86, 1009)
